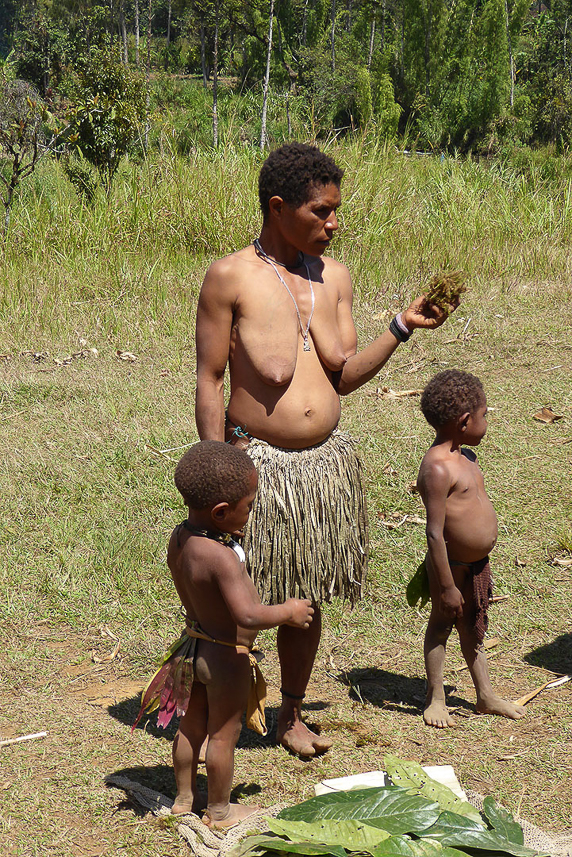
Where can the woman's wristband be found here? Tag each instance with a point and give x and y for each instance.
(399, 330)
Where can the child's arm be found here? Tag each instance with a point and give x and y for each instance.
(244, 604)
(434, 488)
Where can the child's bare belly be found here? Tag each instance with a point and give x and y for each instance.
(471, 536)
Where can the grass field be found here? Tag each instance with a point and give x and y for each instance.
(96, 402)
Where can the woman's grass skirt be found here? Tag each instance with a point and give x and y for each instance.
(307, 535)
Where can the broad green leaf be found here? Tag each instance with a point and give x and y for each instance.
(310, 849)
(450, 822)
(392, 809)
(352, 835)
(410, 775)
(250, 845)
(503, 822)
(418, 588)
(403, 846)
(448, 831)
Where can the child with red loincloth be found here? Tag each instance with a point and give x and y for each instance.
(209, 677)
(461, 532)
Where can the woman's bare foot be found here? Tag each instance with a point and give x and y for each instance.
(436, 714)
(294, 735)
(234, 814)
(184, 805)
(493, 704)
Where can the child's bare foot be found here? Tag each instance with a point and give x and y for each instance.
(493, 704)
(436, 714)
(185, 805)
(233, 814)
(203, 752)
(295, 736)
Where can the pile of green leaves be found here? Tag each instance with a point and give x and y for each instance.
(415, 816)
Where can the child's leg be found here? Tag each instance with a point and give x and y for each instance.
(186, 747)
(228, 686)
(436, 636)
(488, 702)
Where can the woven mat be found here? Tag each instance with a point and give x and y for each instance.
(205, 842)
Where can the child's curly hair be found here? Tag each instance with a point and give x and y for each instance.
(450, 394)
(212, 472)
(290, 172)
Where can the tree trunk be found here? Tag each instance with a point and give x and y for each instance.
(371, 40)
(137, 33)
(333, 36)
(123, 29)
(266, 78)
(304, 23)
(169, 13)
(215, 81)
(510, 56)
(111, 25)
(204, 57)
(148, 75)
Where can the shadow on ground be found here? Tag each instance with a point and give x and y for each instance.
(126, 711)
(161, 778)
(393, 691)
(555, 656)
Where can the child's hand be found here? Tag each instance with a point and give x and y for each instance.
(451, 602)
(302, 612)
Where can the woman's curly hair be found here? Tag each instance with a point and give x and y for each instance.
(291, 171)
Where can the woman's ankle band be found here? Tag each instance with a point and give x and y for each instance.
(292, 695)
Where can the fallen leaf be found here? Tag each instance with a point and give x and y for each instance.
(563, 562)
(406, 519)
(5, 357)
(413, 488)
(520, 563)
(127, 356)
(37, 356)
(547, 415)
(388, 393)
(97, 660)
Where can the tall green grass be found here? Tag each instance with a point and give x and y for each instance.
(129, 261)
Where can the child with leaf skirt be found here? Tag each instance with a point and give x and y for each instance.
(209, 677)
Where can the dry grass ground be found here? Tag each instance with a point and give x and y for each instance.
(88, 504)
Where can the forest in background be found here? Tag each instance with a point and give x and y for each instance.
(474, 76)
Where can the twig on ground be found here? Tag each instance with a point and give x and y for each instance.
(33, 737)
(522, 700)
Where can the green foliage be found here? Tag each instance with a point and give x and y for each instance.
(350, 834)
(23, 120)
(40, 51)
(387, 112)
(393, 809)
(80, 174)
(363, 99)
(411, 825)
(411, 775)
(108, 103)
(418, 588)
